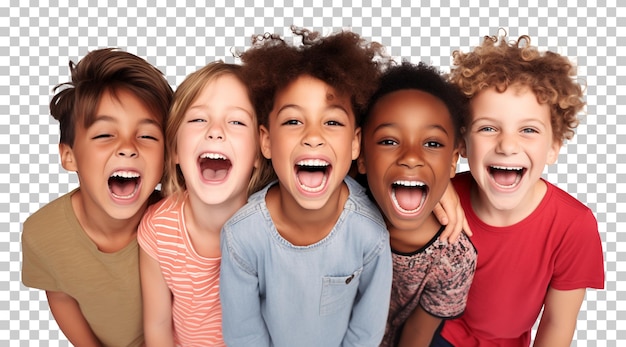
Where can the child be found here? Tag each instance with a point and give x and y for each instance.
(211, 152)
(81, 248)
(307, 262)
(410, 135)
(538, 246)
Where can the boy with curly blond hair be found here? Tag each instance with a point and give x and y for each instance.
(538, 247)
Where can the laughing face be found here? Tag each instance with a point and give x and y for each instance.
(409, 155)
(508, 143)
(312, 139)
(119, 158)
(217, 143)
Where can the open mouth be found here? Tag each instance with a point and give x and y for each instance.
(214, 166)
(124, 184)
(312, 174)
(506, 177)
(409, 196)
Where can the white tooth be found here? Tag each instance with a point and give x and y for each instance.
(409, 183)
(514, 168)
(125, 174)
(212, 156)
(312, 162)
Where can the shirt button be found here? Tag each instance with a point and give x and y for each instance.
(349, 279)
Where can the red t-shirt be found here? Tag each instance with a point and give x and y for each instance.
(556, 246)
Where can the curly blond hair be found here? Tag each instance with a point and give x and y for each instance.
(501, 63)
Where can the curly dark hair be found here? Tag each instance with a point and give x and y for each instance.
(427, 79)
(343, 60)
(103, 70)
(499, 63)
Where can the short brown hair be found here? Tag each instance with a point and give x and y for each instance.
(499, 63)
(107, 70)
(343, 60)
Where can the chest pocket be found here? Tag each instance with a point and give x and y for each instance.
(338, 292)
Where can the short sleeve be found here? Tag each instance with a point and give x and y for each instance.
(579, 260)
(35, 270)
(146, 233)
(449, 280)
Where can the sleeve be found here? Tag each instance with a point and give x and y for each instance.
(242, 322)
(35, 267)
(147, 235)
(579, 261)
(371, 307)
(445, 294)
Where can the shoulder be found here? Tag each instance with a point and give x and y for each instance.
(562, 199)
(359, 204)
(56, 216)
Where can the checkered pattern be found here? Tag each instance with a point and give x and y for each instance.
(38, 40)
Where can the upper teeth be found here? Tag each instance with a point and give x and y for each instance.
(212, 156)
(312, 162)
(125, 174)
(409, 183)
(507, 168)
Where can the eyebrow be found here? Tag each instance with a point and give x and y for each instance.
(298, 107)
(396, 125)
(107, 118)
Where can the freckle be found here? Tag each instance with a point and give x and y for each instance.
(330, 97)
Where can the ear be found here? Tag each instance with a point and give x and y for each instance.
(264, 140)
(356, 143)
(462, 148)
(68, 161)
(553, 152)
(455, 161)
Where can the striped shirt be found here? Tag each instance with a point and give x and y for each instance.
(192, 279)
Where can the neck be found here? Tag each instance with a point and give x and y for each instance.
(205, 218)
(413, 239)
(302, 226)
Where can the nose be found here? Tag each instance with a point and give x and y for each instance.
(127, 149)
(215, 132)
(313, 137)
(507, 144)
(411, 158)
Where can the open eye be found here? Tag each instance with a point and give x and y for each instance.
(486, 129)
(433, 144)
(237, 122)
(334, 123)
(388, 142)
(292, 122)
(530, 131)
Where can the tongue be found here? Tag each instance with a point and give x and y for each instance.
(215, 170)
(504, 177)
(311, 179)
(122, 187)
(408, 198)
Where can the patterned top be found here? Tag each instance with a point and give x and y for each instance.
(436, 277)
(192, 279)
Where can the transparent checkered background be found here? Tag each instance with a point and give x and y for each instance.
(39, 38)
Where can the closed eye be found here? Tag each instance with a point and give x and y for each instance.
(149, 137)
(101, 136)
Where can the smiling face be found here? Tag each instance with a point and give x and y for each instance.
(508, 143)
(217, 142)
(409, 155)
(312, 139)
(119, 158)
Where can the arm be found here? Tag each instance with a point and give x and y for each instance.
(558, 320)
(371, 306)
(70, 319)
(242, 322)
(157, 303)
(450, 213)
(419, 329)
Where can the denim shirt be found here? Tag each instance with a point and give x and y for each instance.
(331, 293)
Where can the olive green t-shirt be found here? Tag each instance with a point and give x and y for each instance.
(59, 256)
